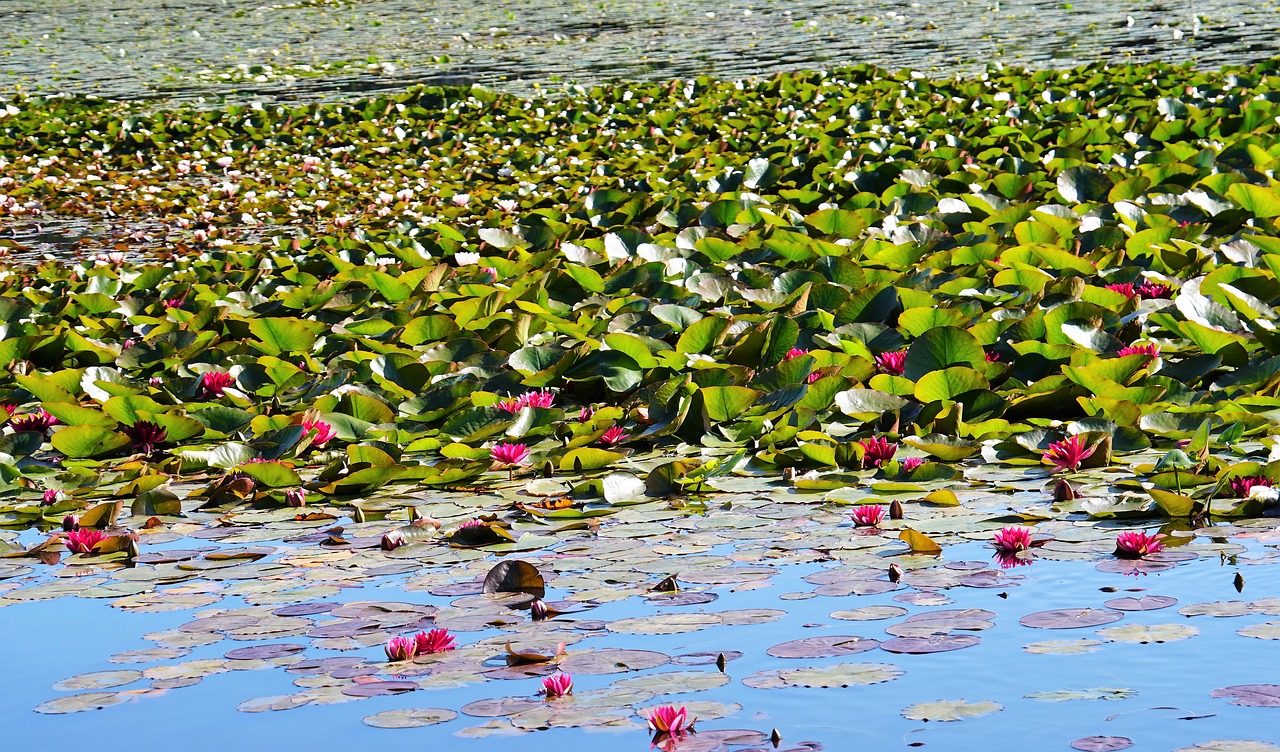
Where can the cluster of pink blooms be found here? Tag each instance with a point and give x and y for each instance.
(1241, 486)
(892, 363)
(1136, 544)
(423, 643)
(557, 685)
(509, 454)
(1068, 453)
(541, 398)
(868, 515)
(83, 540)
(1152, 290)
(324, 431)
(1150, 349)
(877, 451)
(212, 383)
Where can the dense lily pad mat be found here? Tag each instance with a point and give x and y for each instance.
(661, 342)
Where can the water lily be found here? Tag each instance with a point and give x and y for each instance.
(670, 720)
(542, 398)
(39, 422)
(295, 497)
(1136, 544)
(868, 515)
(615, 435)
(435, 641)
(1140, 348)
(324, 431)
(538, 610)
(212, 383)
(146, 436)
(1068, 454)
(401, 648)
(83, 540)
(994, 356)
(911, 463)
(1242, 486)
(877, 450)
(557, 685)
(510, 454)
(586, 413)
(794, 352)
(1011, 539)
(1124, 288)
(892, 363)
(1152, 290)
(52, 496)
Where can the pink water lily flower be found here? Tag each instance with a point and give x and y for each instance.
(1012, 539)
(868, 515)
(510, 454)
(212, 383)
(52, 496)
(295, 497)
(435, 641)
(586, 413)
(1068, 454)
(615, 435)
(83, 540)
(892, 363)
(877, 451)
(1243, 485)
(324, 431)
(911, 463)
(994, 356)
(557, 685)
(401, 648)
(1124, 288)
(670, 720)
(1150, 349)
(794, 352)
(1135, 544)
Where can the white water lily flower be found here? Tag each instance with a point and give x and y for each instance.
(466, 258)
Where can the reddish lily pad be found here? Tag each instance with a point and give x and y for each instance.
(1102, 743)
(1251, 695)
(823, 647)
(935, 644)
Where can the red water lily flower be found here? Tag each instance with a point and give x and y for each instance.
(1068, 454)
(877, 451)
(1152, 290)
(83, 540)
(39, 422)
(1124, 288)
(1140, 348)
(1243, 485)
(146, 436)
(435, 641)
(1136, 544)
(212, 383)
(892, 363)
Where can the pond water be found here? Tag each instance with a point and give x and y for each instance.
(308, 49)
(777, 566)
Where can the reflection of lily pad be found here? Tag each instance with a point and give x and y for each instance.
(950, 710)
